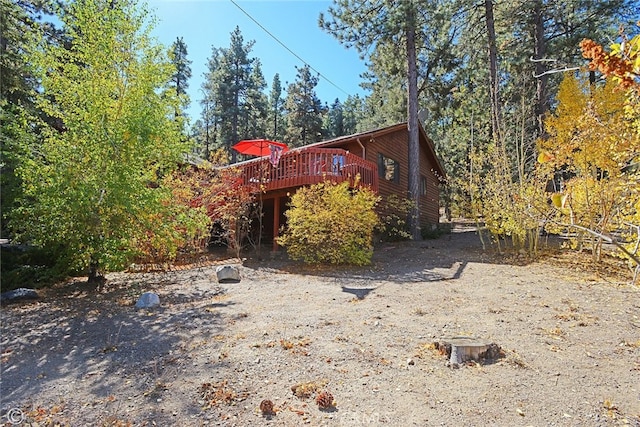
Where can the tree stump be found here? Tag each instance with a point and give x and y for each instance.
(464, 349)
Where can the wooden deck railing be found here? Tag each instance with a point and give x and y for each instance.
(310, 166)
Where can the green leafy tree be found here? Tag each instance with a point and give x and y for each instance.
(92, 190)
(304, 110)
(329, 223)
(19, 21)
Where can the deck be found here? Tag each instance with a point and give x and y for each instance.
(309, 166)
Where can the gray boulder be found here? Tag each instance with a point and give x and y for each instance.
(19, 294)
(228, 274)
(148, 300)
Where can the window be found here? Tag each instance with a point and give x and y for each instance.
(388, 168)
(423, 185)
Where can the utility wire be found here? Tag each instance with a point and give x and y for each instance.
(286, 47)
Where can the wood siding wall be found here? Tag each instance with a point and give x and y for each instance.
(429, 203)
(395, 146)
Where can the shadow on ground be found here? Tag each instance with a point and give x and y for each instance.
(78, 333)
(445, 258)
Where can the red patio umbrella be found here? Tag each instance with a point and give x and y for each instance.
(258, 147)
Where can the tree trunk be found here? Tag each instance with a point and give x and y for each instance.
(94, 276)
(414, 142)
(493, 73)
(539, 52)
(275, 120)
(234, 120)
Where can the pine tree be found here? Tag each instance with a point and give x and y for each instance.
(255, 111)
(386, 81)
(276, 110)
(304, 110)
(18, 22)
(423, 31)
(209, 116)
(495, 99)
(335, 120)
(231, 87)
(353, 114)
(182, 74)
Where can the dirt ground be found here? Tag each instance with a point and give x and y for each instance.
(211, 353)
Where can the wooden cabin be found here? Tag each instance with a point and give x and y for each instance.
(379, 157)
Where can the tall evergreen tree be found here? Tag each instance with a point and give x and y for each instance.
(182, 74)
(423, 29)
(256, 108)
(494, 90)
(353, 114)
(210, 111)
(304, 109)
(335, 120)
(387, 101)
(20, 20)
(231, 85)
(276, 110)
(543, 35)
(496, 98)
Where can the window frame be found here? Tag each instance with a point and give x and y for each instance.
(423, 185)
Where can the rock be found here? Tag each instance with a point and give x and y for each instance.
(19, 294)
(228, 274)
(148, 300)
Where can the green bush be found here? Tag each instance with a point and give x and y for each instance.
(393, 220)
(330, 223)
(29, 267)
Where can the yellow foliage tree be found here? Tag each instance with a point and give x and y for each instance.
(592, 142)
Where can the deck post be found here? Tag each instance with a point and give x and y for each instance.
(276, 221)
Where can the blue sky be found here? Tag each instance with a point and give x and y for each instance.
(206, 23)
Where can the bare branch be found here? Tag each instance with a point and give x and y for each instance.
(608, 240)
(532, 59)
(559, 70)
